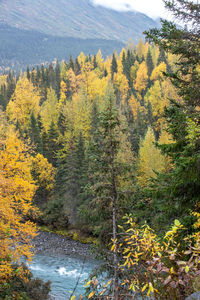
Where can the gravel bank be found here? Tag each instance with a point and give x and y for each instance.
(50, 243)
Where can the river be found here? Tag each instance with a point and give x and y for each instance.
(66, 263)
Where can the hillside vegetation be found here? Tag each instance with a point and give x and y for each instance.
(74, 18)
(110, 147)
(19, 48)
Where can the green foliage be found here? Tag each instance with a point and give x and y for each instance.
(180, 187)
(24, 289)
(162, 268)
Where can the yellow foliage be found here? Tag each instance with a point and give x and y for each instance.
(73, 82)
(16, 192)
(142, 78)
(82, 113)
(107, 65)
(3, 80)
(133, 71)
(155, 54)
(49, 109)
(140, 48)
(99, 60)
(3, 124)
(81, 59)
(158, 71)
(161, 266)
(121, 83)
(63, 70)
(158, 95)
(43, 172)
(96, 87)
(150, 159)
(63, 91)
(136, 106)
(155, 97)
(24, 102)
(146, 48)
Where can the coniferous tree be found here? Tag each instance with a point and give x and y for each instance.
(71, 177)
(95, 62)
(57, 83)
(161, 57)
(107, 170)
(34, 134)
(71, 63)
(51, 143)
(181, 185)
(113, 65)
(105, 73)
(77, 67)
(149, 62)
(28, 73)
(38, 75)
(124, 62)
(51, 77)
(33, 76)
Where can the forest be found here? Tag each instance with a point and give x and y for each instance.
(111, 148)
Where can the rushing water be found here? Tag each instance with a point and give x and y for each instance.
(64, 272)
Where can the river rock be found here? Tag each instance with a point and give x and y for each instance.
(50, 243)
(195, 296)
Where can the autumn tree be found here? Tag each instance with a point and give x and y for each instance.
(113, 65)
(16, 192)
(43, 174)
(150, 160)
(149, 62)
(24, 102)
(141, 79)
(110, 157)
(182, 183)
(49, 110)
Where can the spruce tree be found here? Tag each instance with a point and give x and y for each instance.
(149, 62)
(71, 63)
(28, 73)
(95, 62)
(180, 188)
(34, 134)
(71, 176)
(113, 65)
(107, 170)
(57, 79)
(38, 75)
(51, 77)
(77, 67)
(51, 144)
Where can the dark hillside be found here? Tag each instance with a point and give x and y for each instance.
(19, 48)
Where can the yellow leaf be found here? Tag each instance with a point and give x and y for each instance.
(151, 287)
(88, 283)
(187, 269)
(91, 294)
(144, 287)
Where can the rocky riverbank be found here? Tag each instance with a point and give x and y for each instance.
(51, 243)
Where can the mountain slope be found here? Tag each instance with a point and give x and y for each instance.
(19, 48)
(74, 18)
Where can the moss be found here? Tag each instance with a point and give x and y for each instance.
(72, 234)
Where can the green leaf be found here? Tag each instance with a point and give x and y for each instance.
(177, 223)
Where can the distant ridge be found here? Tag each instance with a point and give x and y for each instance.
(74, 18)
(19, 48)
